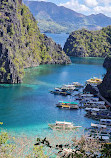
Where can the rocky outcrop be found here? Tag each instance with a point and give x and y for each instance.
(90, 89)
(21, 43)
(54, 50)
(105, 87)
(84, 43)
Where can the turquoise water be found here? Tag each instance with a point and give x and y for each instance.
(29, 107)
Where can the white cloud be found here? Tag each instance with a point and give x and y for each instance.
(91, 3)
(105, 2)
(37, 0)
(75, 5)
(88, 7)
(103, 9)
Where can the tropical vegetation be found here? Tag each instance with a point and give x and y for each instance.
(84, 43)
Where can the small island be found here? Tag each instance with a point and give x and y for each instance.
(84, 43)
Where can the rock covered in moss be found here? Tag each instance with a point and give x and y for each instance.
(84, 43)
(55, 52)
(105, 86)
(21, 43)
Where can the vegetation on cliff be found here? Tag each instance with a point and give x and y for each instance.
(105, 86)
(21, 43)
(84, 43)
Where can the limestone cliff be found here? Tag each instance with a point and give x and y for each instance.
(84, 43)
(21, 43)
(105, 87)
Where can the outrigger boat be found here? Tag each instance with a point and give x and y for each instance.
(94, 81)
(69, 105)
(77, 84)
(63, 126)
(58, 91)
(69, 87)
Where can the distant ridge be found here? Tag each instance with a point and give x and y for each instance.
(57, 19)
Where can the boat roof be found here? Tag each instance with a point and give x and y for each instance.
(77, 83)
(104, 137)
(87, 95)
(57, 88)
(95, 109)
(70, 85)
(88, 108)
(105, 120)
(63, 122)
(68, 102)
(97, 125)
(97, 102)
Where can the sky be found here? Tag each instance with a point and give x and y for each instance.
(86, 7)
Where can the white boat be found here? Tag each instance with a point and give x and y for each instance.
(105, 122)
(94, 81)
(59, 125)
(98, 103)
(89, 99)
(69, 105)
(98, 125)
(87, 95)
(77, 84)
(68, 87)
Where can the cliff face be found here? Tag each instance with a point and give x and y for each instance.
(84, 43)
(21, 43)
(105, 87)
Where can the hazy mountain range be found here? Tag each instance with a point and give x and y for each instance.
(56, 19)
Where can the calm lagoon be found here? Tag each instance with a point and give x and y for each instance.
(29, 107)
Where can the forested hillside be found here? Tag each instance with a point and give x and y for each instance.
(84, 43)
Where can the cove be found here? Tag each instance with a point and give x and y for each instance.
(29, 107)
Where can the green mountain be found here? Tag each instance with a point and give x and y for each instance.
(49, 15)
(84, 43)
(21, 43)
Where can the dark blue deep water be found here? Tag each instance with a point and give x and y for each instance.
(29, 107)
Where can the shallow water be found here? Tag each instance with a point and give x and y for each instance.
(29, 107)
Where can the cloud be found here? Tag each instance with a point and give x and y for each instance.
(105, 2)
(88, 7)
(91, 3)
(36, 0)
(103, 9)
(75, 5)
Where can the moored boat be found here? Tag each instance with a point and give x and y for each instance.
(59, 125)
(94, 81)
(59, 91)
(69, 87)
(77, 84)
(69, 105)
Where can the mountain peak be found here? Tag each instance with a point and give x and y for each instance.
(64, 17)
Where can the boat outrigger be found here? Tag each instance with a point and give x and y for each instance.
(69, 105)
(59, 125)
